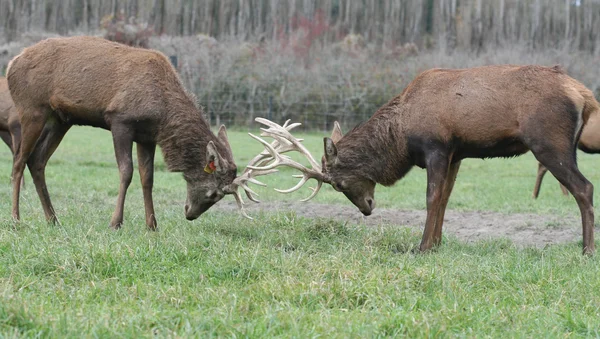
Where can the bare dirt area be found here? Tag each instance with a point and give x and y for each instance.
(522, 228)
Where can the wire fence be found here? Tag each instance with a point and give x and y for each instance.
(314, 115)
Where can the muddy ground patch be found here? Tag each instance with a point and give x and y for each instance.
(524, 229)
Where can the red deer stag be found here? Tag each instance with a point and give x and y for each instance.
(10, 128)
(137, 95)
(589, 142)
(446, 115)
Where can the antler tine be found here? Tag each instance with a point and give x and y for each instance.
(315, 191)
(279, 133)
(240, 203)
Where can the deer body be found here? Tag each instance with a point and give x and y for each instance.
(137, 95)
(444, 116)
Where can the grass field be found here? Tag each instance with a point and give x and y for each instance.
(281, 275)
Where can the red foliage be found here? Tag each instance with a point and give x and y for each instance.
(304, 32)
(128, 32)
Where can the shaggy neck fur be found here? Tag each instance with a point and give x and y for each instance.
(184, 135)
(376, 149)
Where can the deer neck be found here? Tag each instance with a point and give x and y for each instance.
(378, 150)
(183, 137)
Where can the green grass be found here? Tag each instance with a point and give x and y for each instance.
(281, 275)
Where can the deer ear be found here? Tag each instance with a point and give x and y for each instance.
(330, 151)
(214, 161)
(336, 135)
(222, 136)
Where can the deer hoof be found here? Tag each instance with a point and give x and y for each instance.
(115, 227)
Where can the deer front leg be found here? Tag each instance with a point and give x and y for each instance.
(437, 173)
(448, 186)
(123, 143)
(146, 167)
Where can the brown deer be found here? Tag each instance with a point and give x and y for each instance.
(10, 128)
(446, 115)
(136, 94)
(589, 142)
(8, 117)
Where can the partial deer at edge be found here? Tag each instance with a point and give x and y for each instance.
(137, 95)
(10, 128)
(589, 142)
(446, 115)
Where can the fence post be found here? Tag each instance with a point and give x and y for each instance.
(173, 59)
(270, 111)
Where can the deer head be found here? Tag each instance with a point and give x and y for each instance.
(207, 185)
(345, 176)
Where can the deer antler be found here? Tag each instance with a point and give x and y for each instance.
(253, 169)
(285, 142)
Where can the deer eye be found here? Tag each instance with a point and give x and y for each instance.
(337, 187)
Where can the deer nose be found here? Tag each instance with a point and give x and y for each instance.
(370, 202)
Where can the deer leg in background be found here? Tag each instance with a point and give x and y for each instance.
(5, 136)
(564, 189)
(123, 143)
(448, 186)
(31, 128)
(538, 180)
(563, 166)
(51, 137)
(437, 173)
(146, 167)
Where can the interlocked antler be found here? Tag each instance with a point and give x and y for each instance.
(287, 142)
(267, 161)
(251, 171)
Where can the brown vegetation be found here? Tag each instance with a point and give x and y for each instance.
(137, 95)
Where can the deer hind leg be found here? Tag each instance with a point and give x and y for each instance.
(437, 176)
(564, 167)
(448, 186)
(146, 167)
(51, 137)
(32, 125)
(123, 143)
